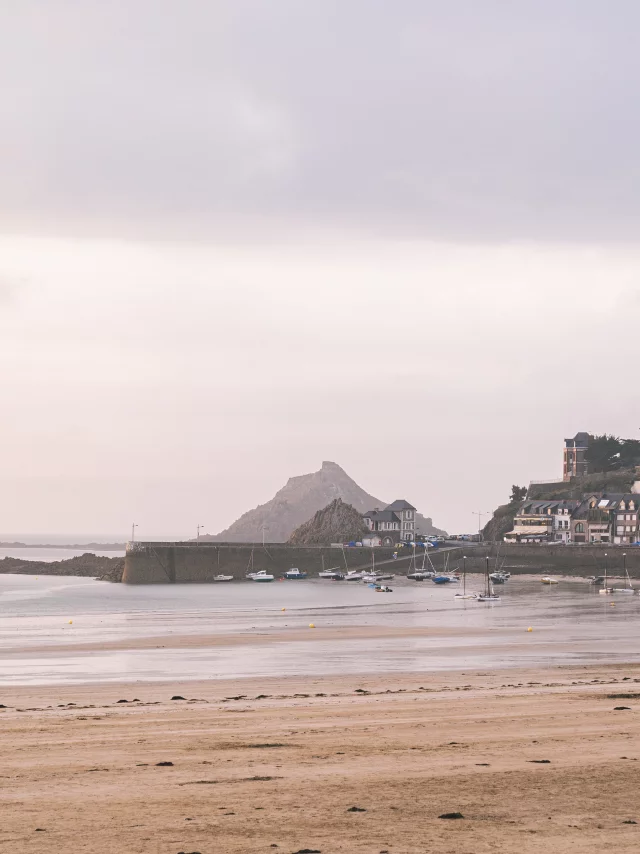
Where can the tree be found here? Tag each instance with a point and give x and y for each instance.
(518, 493)
(609, 453)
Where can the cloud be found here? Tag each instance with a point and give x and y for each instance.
(462, 120)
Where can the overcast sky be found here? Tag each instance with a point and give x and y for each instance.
(239, 238)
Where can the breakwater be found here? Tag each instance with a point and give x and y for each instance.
(575, 560)
(188, 563)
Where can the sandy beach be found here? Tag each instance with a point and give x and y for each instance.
(533, 759)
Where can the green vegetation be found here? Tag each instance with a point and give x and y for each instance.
(608, 453)
(518, 493)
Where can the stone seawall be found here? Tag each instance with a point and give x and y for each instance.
(565, 560)
(187, 563)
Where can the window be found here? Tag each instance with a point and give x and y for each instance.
(580, 528)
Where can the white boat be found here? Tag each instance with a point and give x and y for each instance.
(263, 575)
(329, 573)
(353, 576)
(464, 594)
(489, 593)
(223, 578)
(627, 589)
(546, 579)
(421, 575)
(369, 577)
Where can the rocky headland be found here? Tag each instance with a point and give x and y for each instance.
(87, 566)
(298, 501)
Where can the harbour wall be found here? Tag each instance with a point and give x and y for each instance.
(188, 563)
(563, 560)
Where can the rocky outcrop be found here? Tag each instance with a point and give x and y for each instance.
(336, 523)
(501, 522)
(296, 503)
(86, 565)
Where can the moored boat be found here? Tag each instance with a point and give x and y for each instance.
(489, 594)
(223, 577)
(294, 574)
(546, 579)
(353, 576)
(263, 575)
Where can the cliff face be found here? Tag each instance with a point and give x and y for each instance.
(297, 502)
(501, 523)
(336, 523)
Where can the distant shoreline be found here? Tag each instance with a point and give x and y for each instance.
(103, 547)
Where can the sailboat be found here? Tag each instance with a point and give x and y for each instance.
(464, 594)
(605, 590)
(627, 589)
(489, 594)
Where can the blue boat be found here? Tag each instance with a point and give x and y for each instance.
(295, 574)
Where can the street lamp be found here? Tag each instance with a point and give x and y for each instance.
(200, 528)
(133, 532)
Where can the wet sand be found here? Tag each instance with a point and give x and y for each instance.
(275, 764)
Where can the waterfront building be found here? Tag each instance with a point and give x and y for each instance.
(395, 523)
(575, 462)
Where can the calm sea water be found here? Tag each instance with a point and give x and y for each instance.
(572, 624)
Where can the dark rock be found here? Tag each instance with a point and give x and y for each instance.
(355, 809)
(308, 851)
(629, 821)
(177, 697)
(621, 709)
(451, 815)
(540, 761)
(123, 701)
(164, 764)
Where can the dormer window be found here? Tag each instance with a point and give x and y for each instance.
(632, 505)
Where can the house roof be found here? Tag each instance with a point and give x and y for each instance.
(400, 504)
(383, 516)
(580, 440)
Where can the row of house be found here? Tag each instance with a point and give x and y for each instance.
(596, 518)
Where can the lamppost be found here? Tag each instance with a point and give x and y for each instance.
(480, 514)
(133, 532)
(263, 528)
(200, 528)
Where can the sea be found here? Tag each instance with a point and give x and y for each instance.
(50, 547)
(47, 623)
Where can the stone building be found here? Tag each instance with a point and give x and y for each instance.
(575, 464)
(396, 522)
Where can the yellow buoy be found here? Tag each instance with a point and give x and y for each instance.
(312, 625)
(70, 622)
(530, 629)
(613, 604)
(284, 609)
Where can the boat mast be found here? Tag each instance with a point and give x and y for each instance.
(606, 563)
(464, 575)
(487, 576)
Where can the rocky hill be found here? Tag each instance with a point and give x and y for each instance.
(336, 523)
(297, 502)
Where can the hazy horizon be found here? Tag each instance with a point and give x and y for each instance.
(240, 238)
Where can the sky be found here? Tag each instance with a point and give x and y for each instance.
(240, 237)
